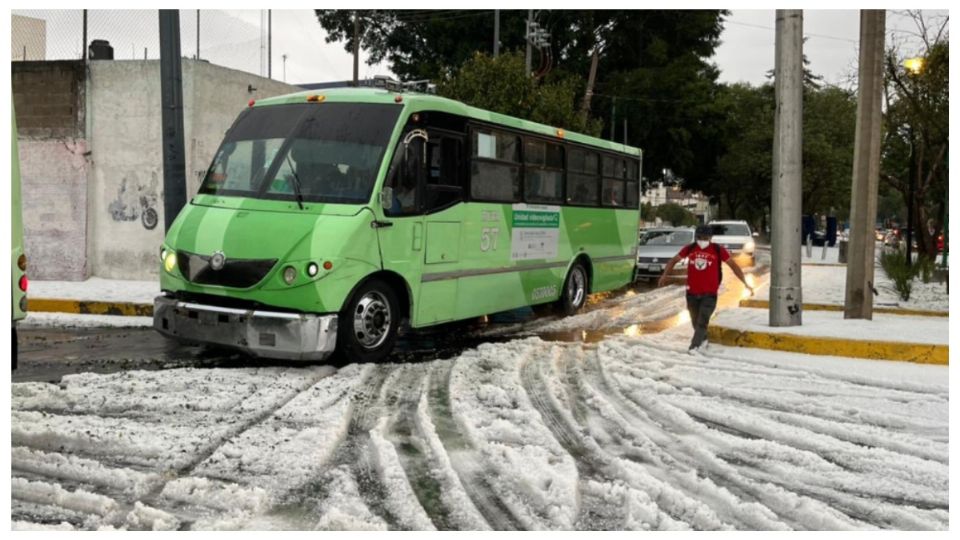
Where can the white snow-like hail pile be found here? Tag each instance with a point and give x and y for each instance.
(629, 433)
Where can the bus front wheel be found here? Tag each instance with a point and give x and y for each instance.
(367, 329)
(574, 293)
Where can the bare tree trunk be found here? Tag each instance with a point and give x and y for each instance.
(585, 105)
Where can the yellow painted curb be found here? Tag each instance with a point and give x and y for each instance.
(764, 304)
(91, 307)
(827, 346)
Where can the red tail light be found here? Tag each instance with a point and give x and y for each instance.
(23, 283)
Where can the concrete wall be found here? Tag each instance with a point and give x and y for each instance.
(125, 188)
(48, 98)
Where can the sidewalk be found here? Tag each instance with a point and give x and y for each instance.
(912, 331)
(824, 288)
(94, 302)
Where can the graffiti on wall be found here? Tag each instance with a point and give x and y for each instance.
(137, 200)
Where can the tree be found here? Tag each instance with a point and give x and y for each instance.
(916, 138)
(676, 215)
(655, 63)
(501, 85)
(744, 170)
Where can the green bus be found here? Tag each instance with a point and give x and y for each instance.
(328, 220)
(18, 261)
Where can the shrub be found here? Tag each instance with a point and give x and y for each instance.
(894, 263)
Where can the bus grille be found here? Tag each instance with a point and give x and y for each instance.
(237, 273)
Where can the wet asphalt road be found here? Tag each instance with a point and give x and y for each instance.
(47, 354)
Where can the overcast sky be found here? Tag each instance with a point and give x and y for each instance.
(233, 38)
(745, 54)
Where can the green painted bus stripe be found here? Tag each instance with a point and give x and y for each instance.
(613, 258)
(438, 276)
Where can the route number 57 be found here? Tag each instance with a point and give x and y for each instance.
(488, 238)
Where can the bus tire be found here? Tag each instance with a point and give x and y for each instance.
(368, 323)
(574, 294)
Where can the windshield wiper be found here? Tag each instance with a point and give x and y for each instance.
(296, 183)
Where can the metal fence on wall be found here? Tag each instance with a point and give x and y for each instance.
(237, 39)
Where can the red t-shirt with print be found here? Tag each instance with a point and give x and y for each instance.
(703, 276)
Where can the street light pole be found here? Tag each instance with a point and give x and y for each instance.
(786, 299)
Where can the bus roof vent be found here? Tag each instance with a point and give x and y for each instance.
(392, 85)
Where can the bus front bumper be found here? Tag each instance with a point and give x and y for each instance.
(267, 334)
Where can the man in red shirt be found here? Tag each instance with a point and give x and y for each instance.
(704, 273)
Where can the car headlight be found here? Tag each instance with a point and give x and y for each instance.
(749, 246)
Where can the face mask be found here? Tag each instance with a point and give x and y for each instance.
(703, 243)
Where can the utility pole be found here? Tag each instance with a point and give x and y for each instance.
(269, 43)
(356, 49)
(84, 39)
(786, 300)
(526, 37)
(496, 33)
(866, 167)
(171, 98)
(198, 34)
(284, 56)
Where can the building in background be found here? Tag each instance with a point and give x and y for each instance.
(694, 201)
(28, 37)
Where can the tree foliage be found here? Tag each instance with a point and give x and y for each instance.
(502, 85)
(654, 63)
(676, 215)
(916, 137)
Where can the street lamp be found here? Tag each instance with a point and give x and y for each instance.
(914, 65)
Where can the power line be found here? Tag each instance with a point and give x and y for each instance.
(806, 34)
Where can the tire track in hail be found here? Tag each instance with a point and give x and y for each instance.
(755, 481)
(677, 459)
(353, 454)
(463, 457)
(594, 466)
(152, 496)
(401, 400)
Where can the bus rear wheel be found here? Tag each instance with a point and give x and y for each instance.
(367, 329)
(574, 293)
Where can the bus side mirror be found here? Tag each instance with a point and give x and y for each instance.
(386, 197)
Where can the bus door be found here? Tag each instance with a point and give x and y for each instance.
(420, 238)
(443, 215)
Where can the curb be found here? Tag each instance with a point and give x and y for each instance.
(89, 307)
(821, 264)
(826, 346)
(765, 304)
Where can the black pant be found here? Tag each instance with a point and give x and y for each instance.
(701, 308)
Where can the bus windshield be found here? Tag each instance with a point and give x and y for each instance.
(331, 152)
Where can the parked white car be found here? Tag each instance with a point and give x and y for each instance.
(737, 238)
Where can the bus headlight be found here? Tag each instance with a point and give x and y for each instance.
(289, 275)
(169, 261)
(312, 269)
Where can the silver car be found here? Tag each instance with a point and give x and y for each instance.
(657, 246)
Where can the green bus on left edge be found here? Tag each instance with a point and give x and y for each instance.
(18, 266)
(327, 221)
